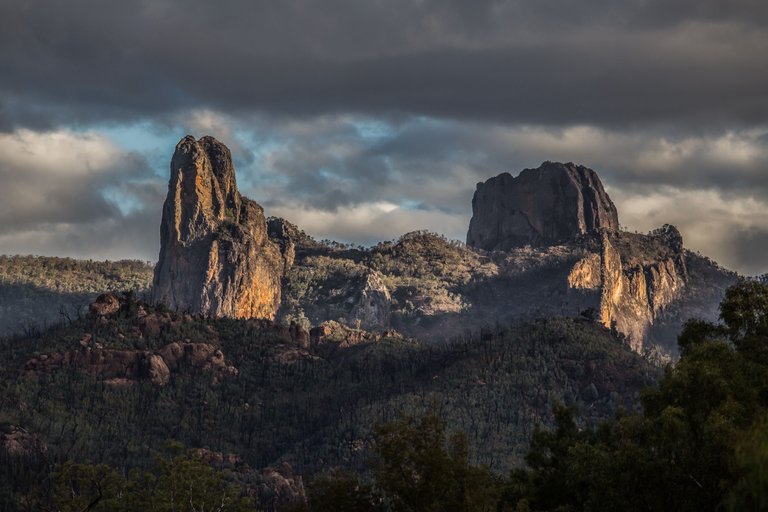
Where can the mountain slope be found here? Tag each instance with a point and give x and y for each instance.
(38, 291)
(313, 407)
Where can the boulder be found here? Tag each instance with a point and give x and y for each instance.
(105, 304)
(371, 308)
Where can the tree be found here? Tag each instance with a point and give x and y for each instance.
(183, 484)
(700, 444)
(419, 469)
(85, 487)
(177, 484)
(340, 491)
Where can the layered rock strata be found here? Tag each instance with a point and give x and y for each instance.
(215, 256)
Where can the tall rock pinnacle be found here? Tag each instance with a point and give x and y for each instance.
(543, 206)
(215, 255)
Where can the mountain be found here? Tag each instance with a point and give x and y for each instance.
(556, 251)
(544, 243)
(545, 206)
(271, 355)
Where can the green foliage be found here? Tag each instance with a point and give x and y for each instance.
(172, 485)
(750, 468)
(79, 487)
(287, 403)
(183, 483)
(744, 310)
(417, 467)
(342, 491)
(37, 291)
(700, 444)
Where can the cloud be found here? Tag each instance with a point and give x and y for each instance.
(334, 109)
(553, 62)
(369, 223)
(76, 194)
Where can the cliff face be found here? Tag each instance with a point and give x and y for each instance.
(551, 204)
(633, 291)
(555, 250)
(215, 255)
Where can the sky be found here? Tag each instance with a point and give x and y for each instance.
(361, 120)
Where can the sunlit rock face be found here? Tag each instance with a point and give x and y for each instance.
(635, 279)
(215, 256)
(628, 279)
(545, 206)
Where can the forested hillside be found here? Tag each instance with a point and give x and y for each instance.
(95, 391)
(39, 291)
(430, 287)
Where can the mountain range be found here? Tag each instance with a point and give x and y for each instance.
(272, 355)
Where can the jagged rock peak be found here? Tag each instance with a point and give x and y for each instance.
(544, 206)
(204, 188)
(215, 255)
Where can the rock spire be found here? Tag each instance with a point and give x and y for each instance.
(215, 255)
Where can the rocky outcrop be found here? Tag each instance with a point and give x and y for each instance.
(215, 255)
(336, 335)
(285, 235)
(105, 304)
(629, 279)
(280, 488)
(15, 440)
(551, 204)
(127, 366)
(632, 294)
(372, 303)
(330, 336)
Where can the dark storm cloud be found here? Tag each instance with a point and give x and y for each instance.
(365, 119)
(551, 62)
(438, 162)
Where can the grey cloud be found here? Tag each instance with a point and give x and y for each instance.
(664, 98)
(64, 193)
(749, 247)
(549, 62)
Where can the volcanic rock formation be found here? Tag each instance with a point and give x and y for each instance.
(543, 206)
(215, 255)
(632, 292)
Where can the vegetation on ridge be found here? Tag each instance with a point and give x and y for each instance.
(39, 291)
(310, 407)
